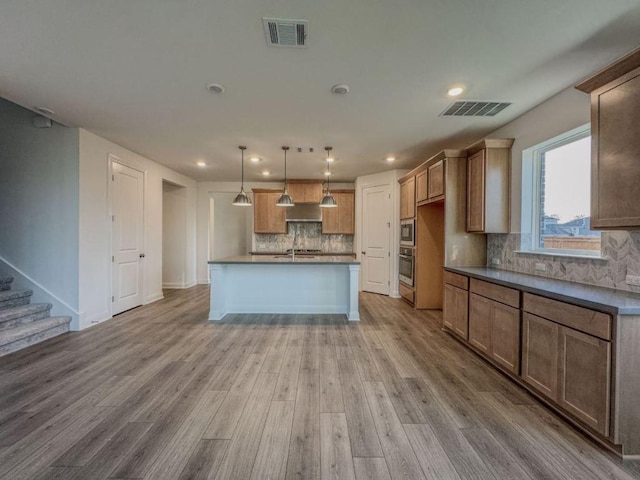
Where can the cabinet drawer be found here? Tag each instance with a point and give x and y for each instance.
(406, 292)
(583, 319)
(456, 280)
(505, 295)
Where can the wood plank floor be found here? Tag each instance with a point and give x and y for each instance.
(160, 393)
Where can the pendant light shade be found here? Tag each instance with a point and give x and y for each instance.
(328, 201)
(242, 199)
(285, 199)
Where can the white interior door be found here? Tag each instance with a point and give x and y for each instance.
(127, 197)
(376, 260)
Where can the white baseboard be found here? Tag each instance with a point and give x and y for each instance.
(154, 297)
(204, 281)
(93, 319)
(178, 285)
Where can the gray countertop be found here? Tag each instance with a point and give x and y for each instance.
(607, 300)
(301, 259)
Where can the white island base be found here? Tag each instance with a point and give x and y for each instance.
(254, 286)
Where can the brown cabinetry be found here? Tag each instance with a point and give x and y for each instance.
(342, 218)
(456, 310)
(305, 191)
(540, 354)
(267, 217)
(494, 327)
(422, 192)
(436, 181)
(408, 198)
(488, 186)
(615, 170)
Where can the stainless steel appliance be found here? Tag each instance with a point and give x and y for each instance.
(407, 232)
(406, 265)
(304, 213)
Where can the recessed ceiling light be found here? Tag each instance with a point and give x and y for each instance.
(340, 89)
(44, 110)
(330, 160)
(266, 173)
(255, 159)
(201, 163)
(215, 88)
(327, 173)
(455, 91)
(391, 159)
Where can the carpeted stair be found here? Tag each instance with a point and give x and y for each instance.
(22, 323)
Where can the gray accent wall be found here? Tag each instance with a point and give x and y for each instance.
(39, 222)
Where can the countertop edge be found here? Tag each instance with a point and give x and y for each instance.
(572, 299)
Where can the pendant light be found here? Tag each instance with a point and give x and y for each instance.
(328, 201)
(242, 199)
(285, 199)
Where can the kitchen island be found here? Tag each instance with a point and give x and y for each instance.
(304, 284)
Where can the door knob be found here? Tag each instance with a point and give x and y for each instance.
(363, 253)
(142, 255)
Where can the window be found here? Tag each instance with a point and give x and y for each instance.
(560, 170)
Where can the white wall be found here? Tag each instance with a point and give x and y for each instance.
(95, 225)
(385, 178)
(563, 112)
(174, 235)
(39, 208)
(232, 227)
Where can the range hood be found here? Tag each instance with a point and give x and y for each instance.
(304, 213)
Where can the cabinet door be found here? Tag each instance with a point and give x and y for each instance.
(480, 323)
(455, 313)
(267, 217)
(584, 387)
(313, 193)
(615, 168)
(296, 190)
(505, 338)
(540, 354)
(476, 192)
(436, 180)
(408, 198)
(421, 187)
(342, 218)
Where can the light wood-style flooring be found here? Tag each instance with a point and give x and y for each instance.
(160, 393)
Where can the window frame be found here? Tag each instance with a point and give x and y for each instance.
(533, 156)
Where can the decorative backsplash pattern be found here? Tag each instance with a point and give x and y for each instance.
(307, 236)
(621, 250)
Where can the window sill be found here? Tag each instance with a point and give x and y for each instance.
(597, 258)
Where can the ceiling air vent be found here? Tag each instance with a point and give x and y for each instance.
(285, 33)
(471, 108)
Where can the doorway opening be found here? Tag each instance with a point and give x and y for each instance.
(174, 235)
(230, 227)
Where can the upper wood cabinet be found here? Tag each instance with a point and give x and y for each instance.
(305, 191)
(408, 198)
(267, 217)
(342, 218)
(615, 143)
(488, 186)
(435, 180)
(422, 192)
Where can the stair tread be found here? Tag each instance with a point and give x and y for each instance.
(22, 311)
(6, 278)
(11, 294)
(22, 331)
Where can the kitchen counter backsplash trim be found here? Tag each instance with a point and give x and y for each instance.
(307, 236)
(621, 250)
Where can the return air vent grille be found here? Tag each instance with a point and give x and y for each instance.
(285, 33)
(472, 108)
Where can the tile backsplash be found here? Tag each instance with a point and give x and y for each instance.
(620, 249)
(307, 236)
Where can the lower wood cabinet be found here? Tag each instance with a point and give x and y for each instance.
(494, 329)
(569, 367)
(456, 310)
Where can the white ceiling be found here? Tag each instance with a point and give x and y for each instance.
(135, 72)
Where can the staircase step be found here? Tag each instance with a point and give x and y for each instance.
(5, 282)
(22, 336)
(14, 316)
(14, 298)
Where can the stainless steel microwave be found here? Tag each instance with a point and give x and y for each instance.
(408, 232)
